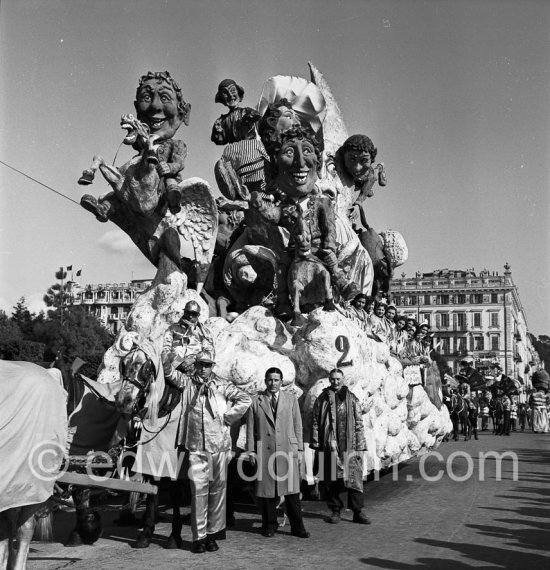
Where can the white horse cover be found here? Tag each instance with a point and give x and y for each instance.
(33, 433)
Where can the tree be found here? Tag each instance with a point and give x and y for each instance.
(14, 345)
(542, 346)
(23, 318)
(80, 334)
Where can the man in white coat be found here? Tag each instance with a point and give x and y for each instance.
(209, 407)
(275, 443)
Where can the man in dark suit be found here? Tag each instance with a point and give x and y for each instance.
(274, 441)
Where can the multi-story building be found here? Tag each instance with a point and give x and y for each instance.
(471, 315)
(109, 302)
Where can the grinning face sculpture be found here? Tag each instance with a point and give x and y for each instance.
(297, 167)
(230, 96)
(158, 107)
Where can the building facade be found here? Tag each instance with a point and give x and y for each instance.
(109, 302)
(476, 315)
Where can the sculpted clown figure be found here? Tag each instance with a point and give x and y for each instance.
(239, 122)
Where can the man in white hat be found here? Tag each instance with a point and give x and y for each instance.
(209, 406)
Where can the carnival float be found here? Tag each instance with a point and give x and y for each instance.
(292, 243)
(272, 258)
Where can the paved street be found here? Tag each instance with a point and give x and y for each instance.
(417, 523)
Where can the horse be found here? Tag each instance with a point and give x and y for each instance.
(32, 446)
(460, 417)
(145, 395)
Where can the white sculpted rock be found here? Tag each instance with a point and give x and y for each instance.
(399, 419)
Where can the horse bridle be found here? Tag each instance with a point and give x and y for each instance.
(141, 384)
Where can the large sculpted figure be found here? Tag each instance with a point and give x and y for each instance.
(149, 200)
(308, 216)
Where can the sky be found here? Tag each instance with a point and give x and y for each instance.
(455, 95)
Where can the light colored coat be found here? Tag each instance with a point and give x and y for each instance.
(267, 435)
(221, 404)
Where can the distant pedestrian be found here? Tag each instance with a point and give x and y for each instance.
(513, 415)
(522, 416)
(506, 410)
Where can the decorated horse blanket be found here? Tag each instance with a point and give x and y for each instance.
(33, 433)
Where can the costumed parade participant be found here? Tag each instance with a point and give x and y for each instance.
(538, 401)
(184, 340)
(209, 407)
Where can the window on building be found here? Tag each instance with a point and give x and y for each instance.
(494, 297)
(443, 299)
(412, 300)
(444, 322)
(461, 345)
(427, 300)
(478, 343)
(461, 299)
(495, 342)
(477, 299)
(494, 319)
(477, 319)
(114, 310)
(445, 346)
(425, 318)
(460, 321)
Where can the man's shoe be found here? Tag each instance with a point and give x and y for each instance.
(334, 517)
(268, 532)
(173, 542)
(360, 518)
(211, 545)
(303, 533)
(198, 547)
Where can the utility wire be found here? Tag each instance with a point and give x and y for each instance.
(41, 183)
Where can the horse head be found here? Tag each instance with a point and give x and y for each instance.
(138, 373)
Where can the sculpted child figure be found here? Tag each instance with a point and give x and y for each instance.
(238, 123)
(354, 164)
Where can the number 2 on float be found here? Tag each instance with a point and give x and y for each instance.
(342, 345)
